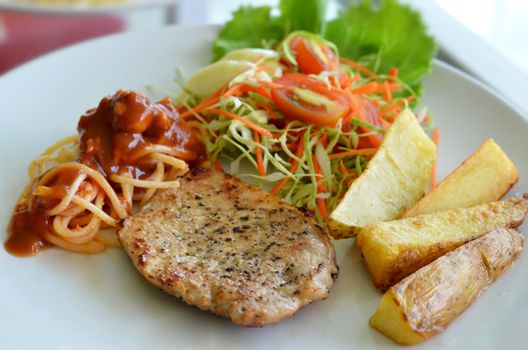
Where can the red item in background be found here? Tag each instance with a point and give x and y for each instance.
(25, 36)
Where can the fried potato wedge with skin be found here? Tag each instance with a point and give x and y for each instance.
(484, 177)
(393, 250)
(393, 181)
(425, 303)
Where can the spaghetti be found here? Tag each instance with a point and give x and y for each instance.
(127, 148)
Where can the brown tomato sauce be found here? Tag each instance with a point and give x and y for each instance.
(114, 137)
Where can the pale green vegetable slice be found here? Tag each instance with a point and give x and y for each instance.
(209, 79)
(251, 55)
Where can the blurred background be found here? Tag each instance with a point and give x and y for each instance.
(486, 38)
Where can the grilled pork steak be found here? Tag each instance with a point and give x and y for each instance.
(230, 248)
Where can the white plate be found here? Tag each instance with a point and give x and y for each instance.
(81, 8)
(59, 300)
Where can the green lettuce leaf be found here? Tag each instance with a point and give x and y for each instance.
(303, 15)
(392, 35)
(253, 27)
(381, 37)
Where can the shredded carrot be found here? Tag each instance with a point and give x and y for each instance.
(243, 88)
(355, 78)
(348, 182)
(366, 88)
(433, 176)
(436, 136)
(393, 72)
(425, 118)
(269, 84)
(343, 81)
(324, 140)
(262, 91)
(384, 123)
(374, 140)
(218, 165)
(298, 153)
(291, 146)
(436, 140)
(392, 87)
(342, 167)
(387, 92)
(376, 88)
(355, 152)
(321, 203)
(268, 109)
(206, 103)
(258, 152)
(354, 105)
(391, 108)
(347, 117)
(359, 67)
(409, 98)
(243, 120)
(235, 90)
(395, 106)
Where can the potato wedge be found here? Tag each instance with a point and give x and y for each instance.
(424, 303)
(395, 249)
(484, 177)
(393, 181)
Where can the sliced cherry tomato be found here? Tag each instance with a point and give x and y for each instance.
(308, 61)
(304, 98)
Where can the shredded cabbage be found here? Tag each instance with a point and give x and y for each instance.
(233, 143)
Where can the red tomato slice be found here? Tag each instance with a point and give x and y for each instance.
(308, 62)
(307, 59)
(309, 100)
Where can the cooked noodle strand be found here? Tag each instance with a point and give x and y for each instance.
(79, 215)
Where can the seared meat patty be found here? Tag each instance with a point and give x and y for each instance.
(230, 248)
